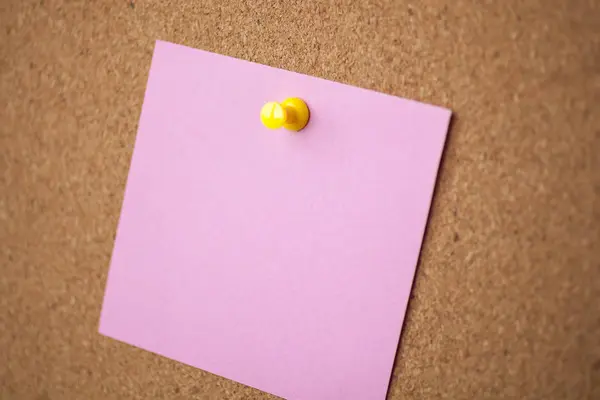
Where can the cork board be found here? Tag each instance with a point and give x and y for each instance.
(505, 302)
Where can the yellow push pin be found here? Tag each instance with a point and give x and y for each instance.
(292, 114)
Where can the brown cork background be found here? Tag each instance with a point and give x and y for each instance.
(506, 302)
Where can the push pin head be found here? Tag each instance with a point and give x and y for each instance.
(292, 114)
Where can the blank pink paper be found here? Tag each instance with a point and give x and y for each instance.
(280, 260)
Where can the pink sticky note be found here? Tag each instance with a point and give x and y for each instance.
(281, 260)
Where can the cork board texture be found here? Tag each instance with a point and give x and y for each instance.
(506, 302)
